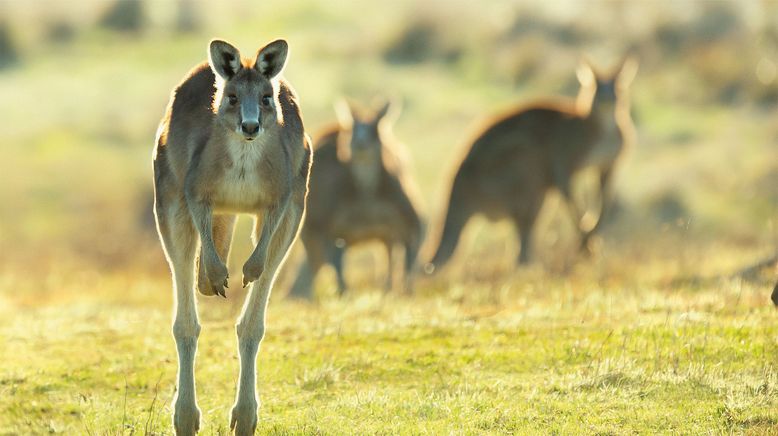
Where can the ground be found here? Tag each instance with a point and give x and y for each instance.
(535, 353)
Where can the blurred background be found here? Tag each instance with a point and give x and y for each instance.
(84, 84)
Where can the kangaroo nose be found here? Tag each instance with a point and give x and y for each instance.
(249, 127)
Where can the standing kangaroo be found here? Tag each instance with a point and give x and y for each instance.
(510, 166)
(359, 192)
(231, 141)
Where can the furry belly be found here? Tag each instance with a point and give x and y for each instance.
(362, 223)
(604, 154)
(238, 194)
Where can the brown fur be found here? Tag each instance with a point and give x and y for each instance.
(231, 141)
(360, 191)
(519, 156)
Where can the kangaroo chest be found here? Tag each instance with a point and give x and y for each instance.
(242, 187)
(366, 175)
(608, 145)
(370, 214)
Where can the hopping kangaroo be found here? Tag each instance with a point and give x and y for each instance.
(510, 166)
(359, 192)
(231, 141)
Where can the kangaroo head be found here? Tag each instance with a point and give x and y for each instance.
(606, 90)
(246, 98)
(367, 130)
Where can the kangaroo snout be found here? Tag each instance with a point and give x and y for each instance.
(249, 129)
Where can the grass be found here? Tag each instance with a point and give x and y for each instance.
(523, 354)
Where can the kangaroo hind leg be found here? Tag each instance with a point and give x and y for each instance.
(179, 240)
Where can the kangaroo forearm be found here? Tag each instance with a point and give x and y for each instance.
(285, 234)
(279, 228)
(269, 227)
(202, 217)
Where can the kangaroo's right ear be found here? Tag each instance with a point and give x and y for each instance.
(344, 113)
(223, 58)
(389, 111)
(585, 73)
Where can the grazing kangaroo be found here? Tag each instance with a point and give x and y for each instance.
(360, 191)
(513, 162)
(231, 141)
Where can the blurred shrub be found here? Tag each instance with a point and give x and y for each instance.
(763, 94)
(526, 25)
(667, 207)
(125, 16)
(59, 32)
(519, 60)
(721, 69)
(9, 54)
(717, 21)
(525, 60)
(187, 17)
(420, 41)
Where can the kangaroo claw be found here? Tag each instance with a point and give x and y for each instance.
(219, 290)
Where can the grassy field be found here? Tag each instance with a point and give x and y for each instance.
(654, 334)
(523, 355)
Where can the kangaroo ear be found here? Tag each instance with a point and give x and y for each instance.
(271, 58)
(585, 73)
(627, 72)
(223, 58)
(389, 111)
(344, 113)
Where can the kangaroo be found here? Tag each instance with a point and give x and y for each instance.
(774, 296)
(231, 141)
(359, 192)
(518, 157)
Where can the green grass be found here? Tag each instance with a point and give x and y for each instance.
(522, 354)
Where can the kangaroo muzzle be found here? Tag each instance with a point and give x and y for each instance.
(249, 124)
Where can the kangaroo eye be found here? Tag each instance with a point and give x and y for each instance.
(233, 99)
(267, 100)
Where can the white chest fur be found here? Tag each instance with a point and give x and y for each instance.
(608, 146)
(240, 188)
(366, 174)
(366, 171)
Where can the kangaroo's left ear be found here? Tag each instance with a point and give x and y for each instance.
(627, 72)
(389, 111)
(271, 58)
(344, 112)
